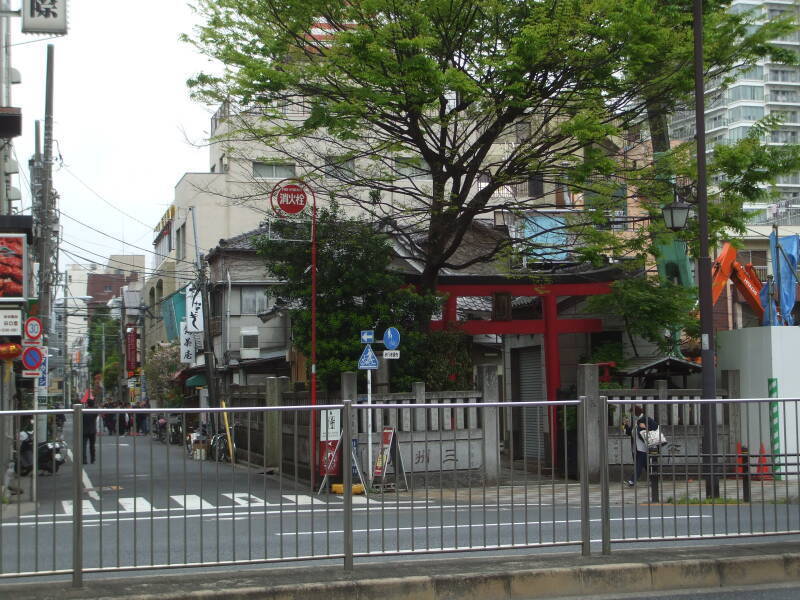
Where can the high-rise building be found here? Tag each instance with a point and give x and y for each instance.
(765, 89)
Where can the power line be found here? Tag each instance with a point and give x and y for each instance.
(164, 256)
(88, 187)
(75, 256)
(134, 267)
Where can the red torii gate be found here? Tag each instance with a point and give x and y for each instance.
(550, 325)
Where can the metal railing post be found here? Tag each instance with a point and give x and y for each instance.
(77, 495)
(605, 509)
(746, 494)
(583, 450)
(346, 447)
(654, 468)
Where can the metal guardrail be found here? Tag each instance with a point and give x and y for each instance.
(748, 486)
(148, 503)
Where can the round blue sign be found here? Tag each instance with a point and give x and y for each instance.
(391, 338)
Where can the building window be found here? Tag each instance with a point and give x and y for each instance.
(108, 288)
(254, 300)
(337, 167)
(412, 168)
(262, 170)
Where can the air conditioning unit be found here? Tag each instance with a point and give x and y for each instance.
(249, 345)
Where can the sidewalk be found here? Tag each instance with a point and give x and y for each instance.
(497, 578)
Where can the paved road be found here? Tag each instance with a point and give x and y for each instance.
(148, 503)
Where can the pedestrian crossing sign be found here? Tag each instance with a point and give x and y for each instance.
(368, 359)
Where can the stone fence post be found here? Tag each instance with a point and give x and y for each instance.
(589, 386)
(273, 430)
(489, 386)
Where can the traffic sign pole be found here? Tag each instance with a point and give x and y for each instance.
(290, 197)
(369, 424)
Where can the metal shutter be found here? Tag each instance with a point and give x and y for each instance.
(531, 389)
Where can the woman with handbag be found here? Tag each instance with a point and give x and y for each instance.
(638, 445)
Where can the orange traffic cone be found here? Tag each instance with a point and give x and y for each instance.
(762, 472)
(739, 459)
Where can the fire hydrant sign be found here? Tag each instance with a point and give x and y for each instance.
(289, 197)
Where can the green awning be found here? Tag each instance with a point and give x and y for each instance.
(198, 380)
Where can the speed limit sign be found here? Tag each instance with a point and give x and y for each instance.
(33, 328)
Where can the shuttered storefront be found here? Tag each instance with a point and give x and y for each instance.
(531, 389)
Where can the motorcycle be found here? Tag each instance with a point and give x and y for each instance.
(49, 455)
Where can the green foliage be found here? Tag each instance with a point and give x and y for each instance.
(356, 291)
(650, 309)
(160, 366)
(445, 83)
(112, 374)
(103, 339)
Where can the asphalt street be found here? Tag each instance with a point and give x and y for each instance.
(147, 503)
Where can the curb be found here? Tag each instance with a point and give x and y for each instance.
(521, 584)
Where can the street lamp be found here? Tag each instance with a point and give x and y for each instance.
(707, 353)
(676, 214)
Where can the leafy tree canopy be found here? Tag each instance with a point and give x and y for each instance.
(356, 291)
(161, 365)
(427, 114)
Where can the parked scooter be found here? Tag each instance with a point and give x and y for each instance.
(50, 455)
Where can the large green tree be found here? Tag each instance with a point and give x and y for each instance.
(428, 114)
(104, 341)
(357, 290)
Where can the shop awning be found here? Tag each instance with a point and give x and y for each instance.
(198, 380)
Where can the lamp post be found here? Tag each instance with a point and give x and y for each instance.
(675, 215)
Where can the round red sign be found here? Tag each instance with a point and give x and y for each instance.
(289, 199)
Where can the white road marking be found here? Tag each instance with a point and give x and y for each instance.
(247, 500)
(88, 507)
(302, 499)
(478, 525)
(192, 502)
(135, 505)
(87, 483)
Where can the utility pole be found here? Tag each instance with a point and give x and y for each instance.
(208, 349)
(102, 361)
(46, 220)
(708, 412)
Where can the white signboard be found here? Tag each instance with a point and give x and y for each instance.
(329, 427)
(43, 382)
(391, 354)
(187, 345)
(44, 16)
(11, 322)
(194, 310)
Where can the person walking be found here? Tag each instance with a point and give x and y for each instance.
(638, 445)
(89, 432)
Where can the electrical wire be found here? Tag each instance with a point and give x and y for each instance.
(133, 266)
(166, 256)
(88, 187)
(79, 257)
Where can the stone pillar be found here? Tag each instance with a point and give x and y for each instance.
(380, 379)
(420, 421)
(488, 384)
(272, 422)
(589, 386)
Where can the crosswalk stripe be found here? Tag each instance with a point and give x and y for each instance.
(192, 502)
(245, 499)
(135, 505)
(302, 499)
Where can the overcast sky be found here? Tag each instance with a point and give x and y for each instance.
(124, 124)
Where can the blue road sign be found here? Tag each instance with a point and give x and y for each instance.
(368, 359)
(367, 336)
(391, 338)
